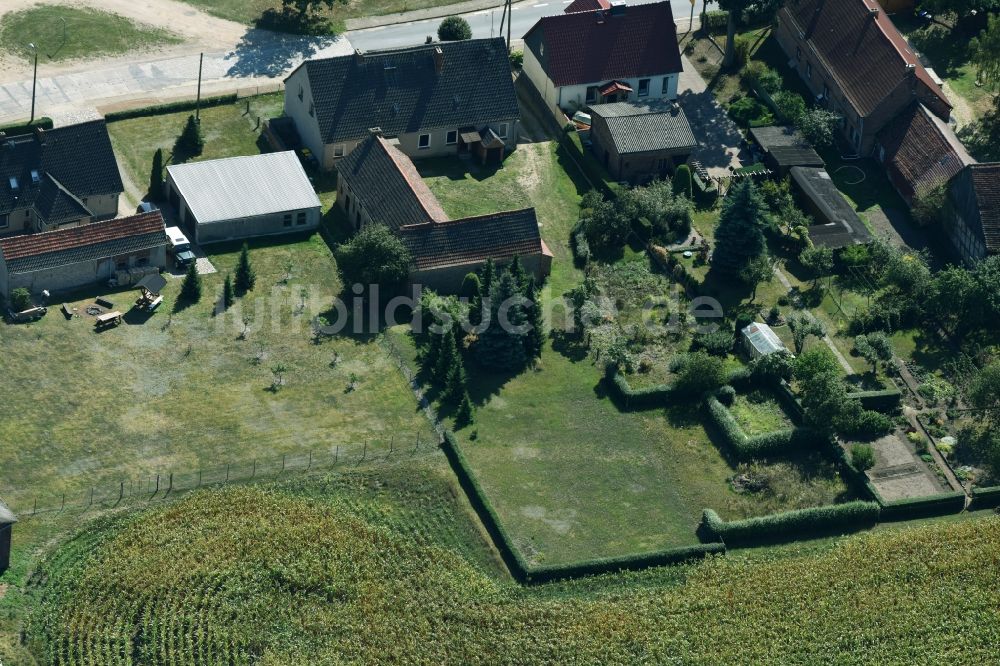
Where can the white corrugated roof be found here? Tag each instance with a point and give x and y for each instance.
(237, 187)
(763, 338)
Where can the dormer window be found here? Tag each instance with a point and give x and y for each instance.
(35, 177)
(302, 93)
(14, 185)
(312, 109)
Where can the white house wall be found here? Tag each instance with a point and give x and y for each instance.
(298, 109)
(574, 97)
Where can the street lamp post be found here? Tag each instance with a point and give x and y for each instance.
(34, 82)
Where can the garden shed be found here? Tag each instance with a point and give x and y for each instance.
(837, 225)
(759, 340)
(640, 141)
(7, 521)
(243, 197)
(784, 147)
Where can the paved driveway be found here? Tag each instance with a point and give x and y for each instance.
(718, 136)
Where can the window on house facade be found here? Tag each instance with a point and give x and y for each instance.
(666, 85)
(798, 53)
(300, 219)
(312, 109)
(302, 93)
(809, 70)
(591, 94)
(4, 221)
(338, 150)
(287, 220)
(424, 141)
(502, 131)
(643, 87)
(826, 93)
(451, 138)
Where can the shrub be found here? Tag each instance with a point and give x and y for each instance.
(718, 343)
(759, 75)
(726, 395)
(862, 456)
(699, 373)
(788, 105)
(20, 299)
(374, 255)
(742, 49)
(682, 181)
(864, 424)
(581, 248)
(454, 28)
(714, 21)
(747, 110)
(792, 524)
(517, 62)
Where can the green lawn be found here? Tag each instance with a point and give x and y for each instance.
(65, 33)
(250, 11)
(180, 391)
(759, 413)
(228, 130)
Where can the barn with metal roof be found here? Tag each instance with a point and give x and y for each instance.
(243, 197)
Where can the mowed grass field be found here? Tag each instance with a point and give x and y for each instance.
(249, 11)
(176, 392)
(228, 130)
(63, 33)
(381, 568)
(571, 476)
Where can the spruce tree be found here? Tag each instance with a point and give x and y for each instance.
(432, 354)
(499, 347)
(534, 339)
(156, 176)
(455, 384)
(517, 273)
(192, 141)
(246, 278)
(446, 359)
(488, 279)
(228, 295)
(191, 287)
(739, 238)
(464, 416)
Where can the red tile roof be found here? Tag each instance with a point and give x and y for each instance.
(921, 152)
(19, 247)
(586, 6)
(863, 50)
(500, 236)
(591, 47)
(986, 183)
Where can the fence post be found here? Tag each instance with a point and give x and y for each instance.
(282, 462)
(121, 493)
(227, 472)
(91, 497)
(199, 478)
(34, 507)
(336, 455)
(63, 503)
(157, 485)
(364, 451)
(391, 440)
(171, 482)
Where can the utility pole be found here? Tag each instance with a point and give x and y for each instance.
(691, 25)
(197, 103)
(34, 82)
(510, 15)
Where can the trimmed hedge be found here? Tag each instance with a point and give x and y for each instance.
(985, 498)
(17, 129)
(653, 396)
(789, 401)
(520, 570)
(854, 475)
(170, 107)
(779, 442)
(614, 565)
(923, 507)
(791, 525)
(879, 401)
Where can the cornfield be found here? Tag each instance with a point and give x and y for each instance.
(371, 570)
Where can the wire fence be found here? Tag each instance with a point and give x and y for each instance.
(163, 485)
(411, 377)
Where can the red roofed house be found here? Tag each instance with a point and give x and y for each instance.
(920, 152)
(605, 55)
(74, 257)
(586, 6)
(857, 64)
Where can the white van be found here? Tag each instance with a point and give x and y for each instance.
(180, 247)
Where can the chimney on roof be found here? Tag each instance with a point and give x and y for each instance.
(873, 11)
(911, 69)
(375, 131)
(359, 56)
(438, 59)
(599, 15)
(39, 134)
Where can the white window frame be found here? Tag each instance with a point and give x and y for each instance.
(448, 140)
(666, 86)
(502, 130)
(640, 93)
(587, 96)
(420, 140)
(338, 150)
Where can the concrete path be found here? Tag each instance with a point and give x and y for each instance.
(718, 137)
(262, 58)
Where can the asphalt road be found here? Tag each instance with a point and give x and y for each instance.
(484, 23)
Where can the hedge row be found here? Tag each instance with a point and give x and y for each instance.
(923, 507)
(985, 498)
(879, 401)
(854, 475)
(17, 129)
(524, 573)
(789, 401)
(646, 398)
(779, 442)
(791, 525)
(170, 107)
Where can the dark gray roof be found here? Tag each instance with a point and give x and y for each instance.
(645, 127)
(840, 225)
(55, 203)
(786, 147)
(79, 157)
(499, 236)
(387, 185)
(402, 91)
(777, 135)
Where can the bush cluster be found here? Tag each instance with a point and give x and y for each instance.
(170, 107)
(791, 524)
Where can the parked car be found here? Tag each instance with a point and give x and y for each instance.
(180, 247)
